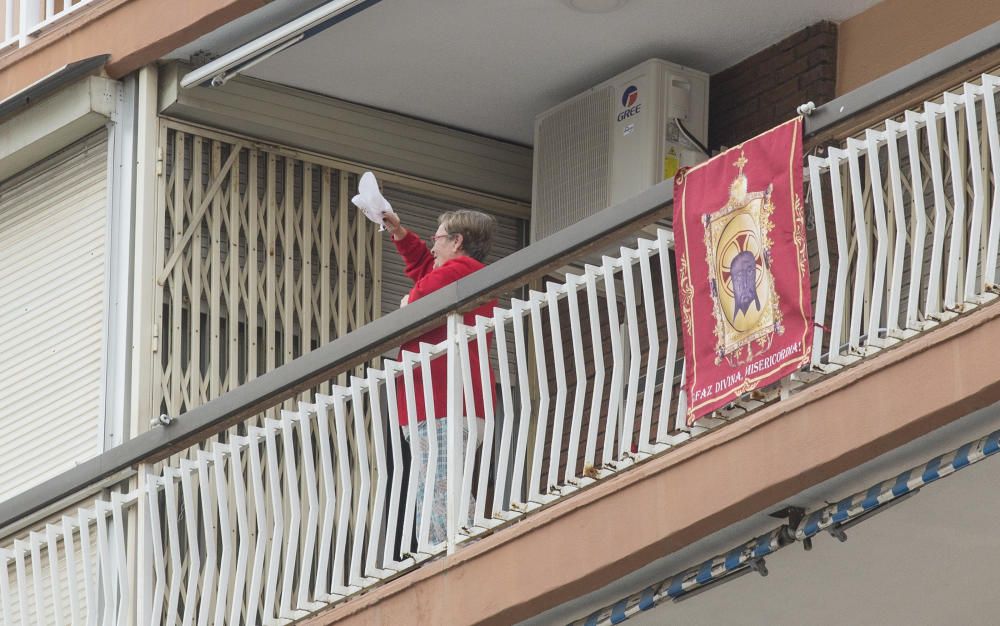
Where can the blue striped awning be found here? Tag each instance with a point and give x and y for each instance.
(749, 556)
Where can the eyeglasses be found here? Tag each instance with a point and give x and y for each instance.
(433, 238)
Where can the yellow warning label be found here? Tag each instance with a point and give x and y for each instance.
(670, 165)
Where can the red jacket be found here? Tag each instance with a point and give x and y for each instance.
(426, 278)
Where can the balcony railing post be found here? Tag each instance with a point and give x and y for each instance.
(454, 409)
(142, 549)
(8, 21)
(30, 16)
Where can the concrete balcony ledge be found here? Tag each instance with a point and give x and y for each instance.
(55, 122)
(586, 541)
(110, 27)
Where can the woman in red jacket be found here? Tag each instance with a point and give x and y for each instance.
(458, 248)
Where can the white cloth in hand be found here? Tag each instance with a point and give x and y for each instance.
(370, 200)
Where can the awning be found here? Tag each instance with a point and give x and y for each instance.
(220, 70)
(835, 519)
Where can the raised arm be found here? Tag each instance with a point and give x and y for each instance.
(419, 261)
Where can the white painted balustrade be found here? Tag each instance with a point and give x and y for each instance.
(288, 515)
(915, 210)
(283, 516)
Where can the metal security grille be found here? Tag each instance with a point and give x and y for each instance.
(262, 260)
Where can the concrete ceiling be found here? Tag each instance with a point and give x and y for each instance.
(929, 560)
(490, 67)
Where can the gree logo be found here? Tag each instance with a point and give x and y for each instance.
(629, 98)
(630, 95)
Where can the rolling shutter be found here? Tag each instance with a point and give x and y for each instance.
(52, 306)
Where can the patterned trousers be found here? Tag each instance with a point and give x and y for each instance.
(420, 452)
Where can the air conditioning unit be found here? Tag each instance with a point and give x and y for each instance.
(616, 140)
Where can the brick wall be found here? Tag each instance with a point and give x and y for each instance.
(765, 89)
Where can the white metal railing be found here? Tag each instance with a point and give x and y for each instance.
(284, 516)
(23, 20)
(81, 577)
(916, 217)
(298, 512)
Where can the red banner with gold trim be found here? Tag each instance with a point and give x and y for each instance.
(743, 269)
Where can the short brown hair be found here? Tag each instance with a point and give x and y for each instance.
(476, 229)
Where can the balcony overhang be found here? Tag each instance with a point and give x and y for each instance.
(856, 555)
(111, 27)
(491, 68)
(58, 119)
(626, 522)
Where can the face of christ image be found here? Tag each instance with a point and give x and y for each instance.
(741, 274)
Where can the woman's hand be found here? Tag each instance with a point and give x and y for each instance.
(391, 221)
(404, 300)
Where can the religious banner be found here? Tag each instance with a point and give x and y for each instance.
(743, 269)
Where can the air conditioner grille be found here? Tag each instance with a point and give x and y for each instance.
(572, 149)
